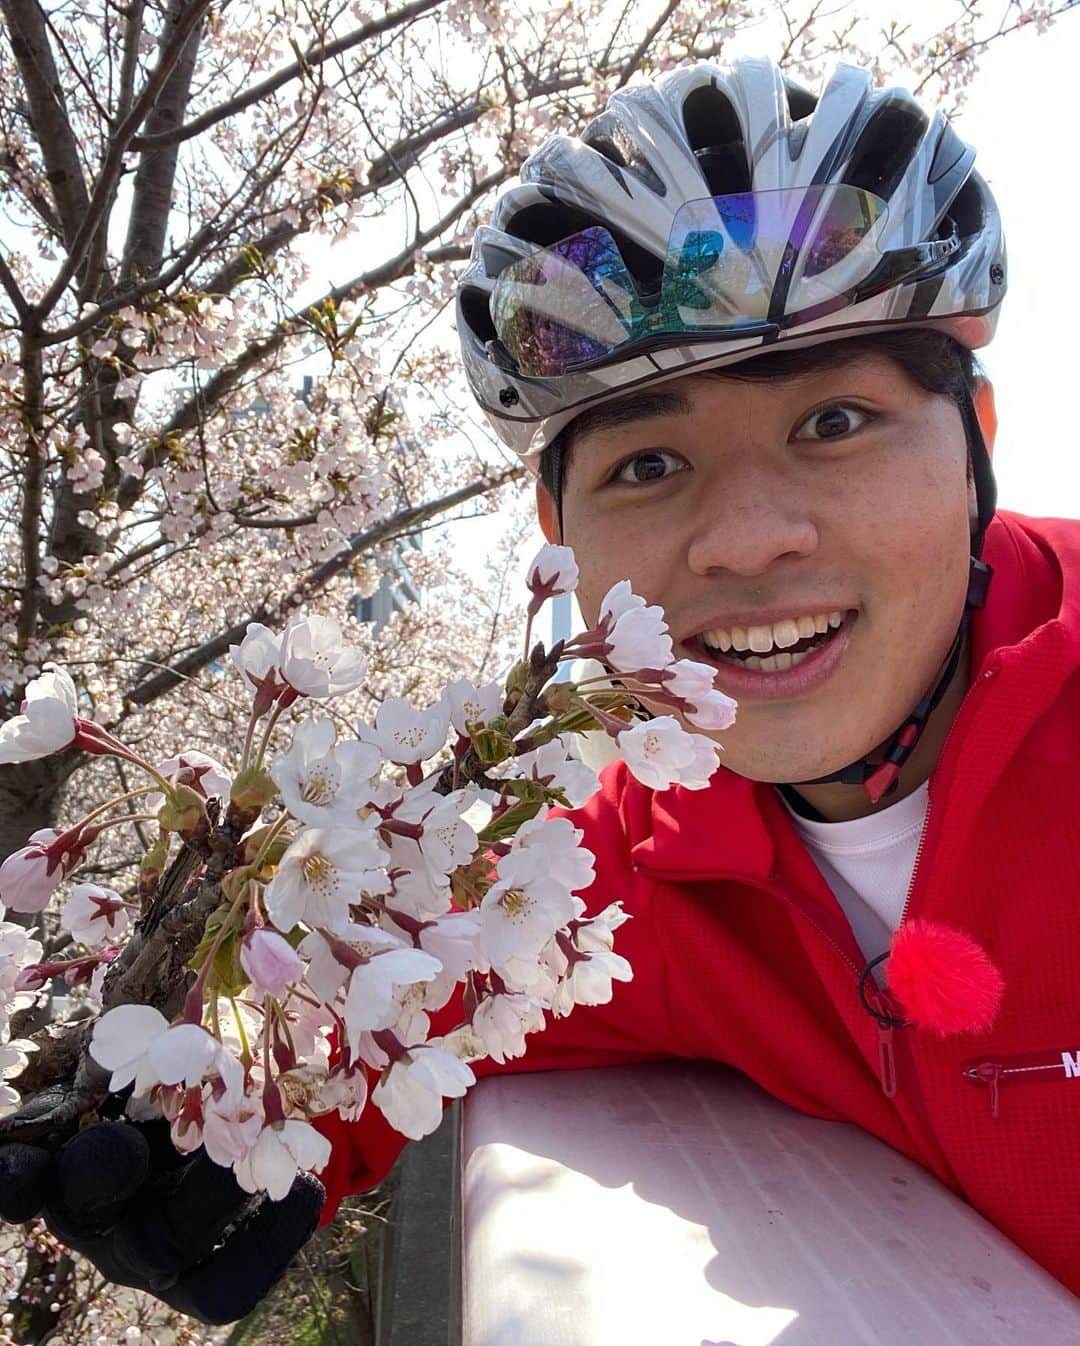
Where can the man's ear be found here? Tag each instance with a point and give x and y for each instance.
(546, 513)
(983, 397)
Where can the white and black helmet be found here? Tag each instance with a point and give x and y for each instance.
(700, 220)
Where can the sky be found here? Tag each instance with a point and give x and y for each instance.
(1021, 118)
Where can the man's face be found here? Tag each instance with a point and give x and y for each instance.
(750, 509)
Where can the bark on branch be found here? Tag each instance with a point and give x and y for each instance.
(120, 142)
(255, 93)
(49, 116)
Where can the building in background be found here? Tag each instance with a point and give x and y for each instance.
(396, 590)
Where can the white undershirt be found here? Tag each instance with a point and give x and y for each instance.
(868, 863)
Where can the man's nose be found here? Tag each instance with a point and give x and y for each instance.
(755, 519)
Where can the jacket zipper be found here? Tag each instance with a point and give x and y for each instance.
(885, 1032)
(1032, 1068)
(879, 998)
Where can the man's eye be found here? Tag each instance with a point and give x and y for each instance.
(653, 465)
(832, 422)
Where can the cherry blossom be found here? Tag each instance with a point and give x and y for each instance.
(271, 962)
(315, 660)
(638, 639)
(231, 1125)
(660, 753)
(557, 840)
(588, 981)
(554, 766)
(257, 657)
(322, 783)
(443, 839)
(405, 735)
(47, 722)
(322, 872)
(93, 914)
(524, 908)
(371, 964)
(410, 1094)
(619, 600)
(552, 571)
(713, 711)
(501, 1023)
(472, 704)
(121, 1041)
(204, 774)
(29, 877)
(281, 1151)
(188, 1054)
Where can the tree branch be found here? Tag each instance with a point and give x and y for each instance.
(402, 264)
(255, 93)
(155, 176)
(11, 288)
(32, 414)
(49, 116)
(399, 525)
(119, 144)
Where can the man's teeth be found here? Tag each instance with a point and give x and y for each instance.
(768, 644)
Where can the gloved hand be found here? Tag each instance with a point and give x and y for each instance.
(178, 1226)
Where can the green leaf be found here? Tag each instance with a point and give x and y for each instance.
(506, 824)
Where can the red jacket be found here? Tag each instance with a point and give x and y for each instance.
(741, 953)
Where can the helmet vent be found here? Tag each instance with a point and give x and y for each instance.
(801, 102)
(607, 135)
(548, 222)
(715, 135)
(966, 211)
(475, 311)
(886, 146)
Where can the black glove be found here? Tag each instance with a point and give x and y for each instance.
(178, 1226)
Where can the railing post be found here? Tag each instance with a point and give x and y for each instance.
(419, 1295)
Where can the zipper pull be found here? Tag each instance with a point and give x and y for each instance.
(989, 1073)
(886, 1060)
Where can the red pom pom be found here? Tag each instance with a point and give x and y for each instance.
(944, 981)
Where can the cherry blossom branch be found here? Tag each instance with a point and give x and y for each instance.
(214, 392)
(11, 288)
(400, 525)
(954, 55)
(257, 93)
(191, 16)
(49, 117)
(633, 62)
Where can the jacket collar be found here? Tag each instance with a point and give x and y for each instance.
(1027, 638)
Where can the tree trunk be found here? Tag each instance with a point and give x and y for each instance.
(31, 794)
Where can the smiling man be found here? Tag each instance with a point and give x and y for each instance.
(731, 325)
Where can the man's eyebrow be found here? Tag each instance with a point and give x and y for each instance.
(637, 407)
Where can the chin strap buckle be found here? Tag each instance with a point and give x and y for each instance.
(978, 582)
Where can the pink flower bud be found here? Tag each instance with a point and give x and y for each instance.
(31, 978)
(29, 877)
(552, 571)
(271, 962)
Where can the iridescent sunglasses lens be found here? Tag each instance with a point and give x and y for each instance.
(750, 259)
(570, 304)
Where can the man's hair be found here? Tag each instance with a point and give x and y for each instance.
(933, 360)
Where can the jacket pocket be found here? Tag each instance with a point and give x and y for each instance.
(1004, 1072)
